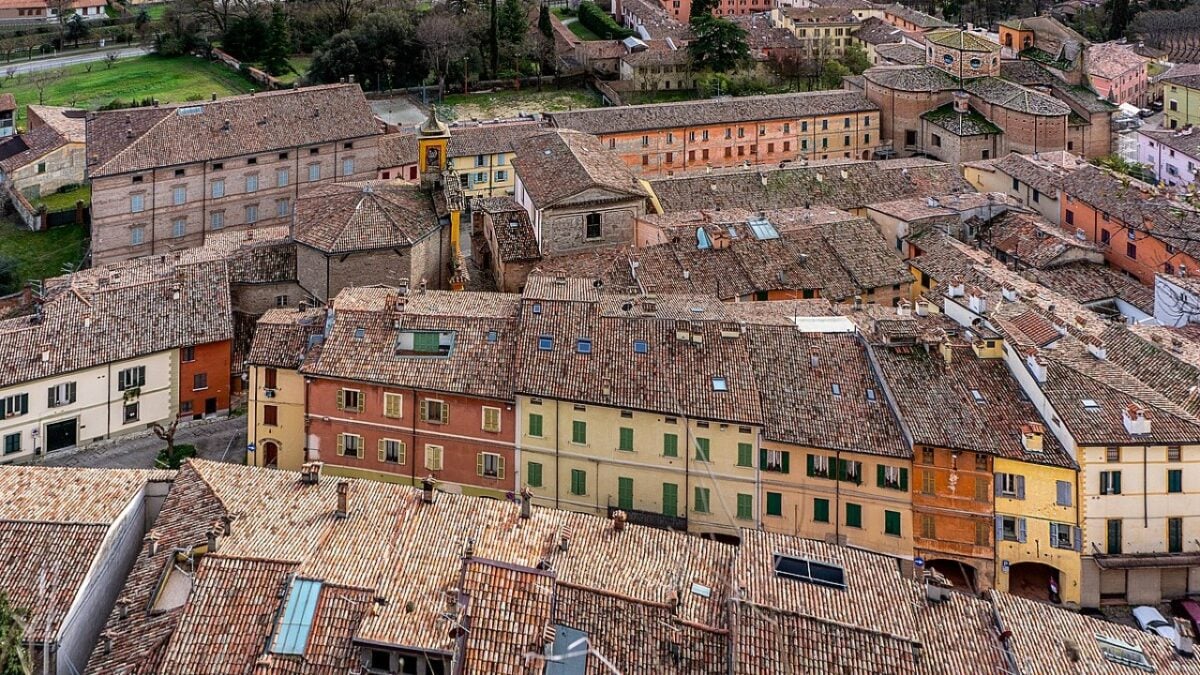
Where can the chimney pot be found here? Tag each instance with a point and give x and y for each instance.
(343, 499)
(427, 489)
(213, 544)
(619, 519)
(526, 503)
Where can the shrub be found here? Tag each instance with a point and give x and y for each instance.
(167, 460)
(599, 22)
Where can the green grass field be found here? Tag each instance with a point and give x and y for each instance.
(301, 64)
(508, 102)
(581, 31)
(170, 80)
(61, 201)
(39, 255)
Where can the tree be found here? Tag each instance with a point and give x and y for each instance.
(279, 43)
(702, 8)
(445, 42)
(77, 29)
(720, 44)
(336, 60)
(141, 23)
(246, 36)
(514, 33)
(110, 59)
(545, 26)
(855, 59)
(1118, 18)
(167, 433)
(382, 51)
(14, 657)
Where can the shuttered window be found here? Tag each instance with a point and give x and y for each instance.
(670, 445)
(392, 405)
(745, 507)
(626, 439)
(745, 454)
(578, 482)
(391, 451)
(533, 474)
(433, 457)
(535, 425)
(624, 493)
(820, 510)
(491, 419)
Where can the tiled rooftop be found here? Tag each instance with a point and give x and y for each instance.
(957, 38)
(905, 54)
(281, 337)
(919, 19)
(139, 139)
(514, 233)
(1043, 172)
(1013, 96)
(910, 78)
(876, 31)
(558, 164)
(1112, 60)
(397, 150)
(29, 147)
(970, 123)
(349, 217)
(486, 138)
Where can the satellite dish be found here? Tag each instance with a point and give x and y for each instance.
(598, 283)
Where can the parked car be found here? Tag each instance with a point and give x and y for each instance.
(1152, 621)
(1189, 610)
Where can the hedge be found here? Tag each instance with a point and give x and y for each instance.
(599, 22)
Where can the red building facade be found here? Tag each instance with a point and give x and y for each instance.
(204, 379)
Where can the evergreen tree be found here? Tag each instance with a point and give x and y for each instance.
(544, 24)
(1118, 18)
(720, 44)
(14, 657)
(513, 24)
(279, 43)
(702, 8)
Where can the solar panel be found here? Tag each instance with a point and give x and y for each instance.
(296, 624)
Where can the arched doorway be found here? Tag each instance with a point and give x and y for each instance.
(1008, 40)
(960, 574)
(270, 454)
(1032, 580)
(866, 154)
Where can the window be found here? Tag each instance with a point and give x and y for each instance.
(592, 226)
(818, 466)
(1110, 482)
(217, 188)
(853, 515)
(1174, 535)
(1113, 544)
(936, 140)
(252, 183)
(670, 499)
(982, 493)
(983, 536)
(891, 523)
(270, 375)
(14, 406)
(625, 442)
(810, 571)
(491, 419)
(1111, 454)
(927, 455)
(670, 445)
(1070, 217)
(533, 474)
(745, 455)
(583, 345)
(131, 412)
(850, 471)
(314, 172)
(1123, 653)
(701, 501)
(535, 425)
(928, 527)
(1175, 480)
(271, 415)
(1105, 236)
(927, 482)
(283, 207)
(433, 457)
(981, 462)
(895, 478)
(745, 507)
(281, 301)
(1063, 493)
(579, 432)
(720, 384)
(1009, 528)
(131, 378)
(350, 445)
(12, 444)
(434, 411)
(489, 465)
(348, 166)
(501, 176)
(1016, 185)
(1173, 453)
(61, 394)
(545, 343)
(1062, 536)
(297, 620)
(624, 493)
(640, 347)
(216, 220)
(178, 227)
(578, 482)
(1131, 250)
(281, 177)
(350, 399)
(199, 381)
(137, 203)
(774, 460)
(702, 449)
(178, 195)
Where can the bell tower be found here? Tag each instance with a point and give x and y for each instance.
(433, 139)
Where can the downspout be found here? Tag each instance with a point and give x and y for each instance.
(557, 440)
(108, 416)
(413, 434)
(837, 496)
(1145, 494)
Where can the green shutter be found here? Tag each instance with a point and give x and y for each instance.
(579, 432)
(578, 482)
(762, 459)
(841, 469)
(533, 476)
(745, 507)
(853, 515)
(904, 479)
(701, 499)
(745, 454)
(1116, 481)
(879, 474)
(425, 343)
(891, 522)
(626, 439)
(670, 500)
(535, 425)
(774, 504)
(812, 465)
(786, 459)
(821, 510)
(670, 445)
(702, 449)
(624, 493)
(1175, 480)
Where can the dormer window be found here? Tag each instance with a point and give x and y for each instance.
(977, 397)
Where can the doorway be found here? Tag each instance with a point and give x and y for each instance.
(270, 454)
(61, 435)
(210, 406)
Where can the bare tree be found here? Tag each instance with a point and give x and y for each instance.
(341, 13)
(42, 79)
(445, 42)
(9, 73)
(167, 434)
(110, 59)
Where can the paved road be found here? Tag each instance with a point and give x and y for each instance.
(211, 438)
(23, 67)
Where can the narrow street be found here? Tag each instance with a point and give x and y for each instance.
(220, 439)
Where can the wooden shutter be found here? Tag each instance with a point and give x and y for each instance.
(444, 412)
(1021, 530)
(382, 450)
(997, 488)
(391, 405)
(433, 457)
(499, 466)
(1020, 480)
(535, 425)
(786, 457)
(50, 397)
(491, 419)
(424, 411)
(762, 459)
(533, 475)
(1078, 539)
(341, 401)
(361, 402)
(479, 464)
(903, 479)
(1064, 493)
(880, 475)
(341, 444)
(1116, 482)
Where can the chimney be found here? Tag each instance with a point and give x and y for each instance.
(1095, 347)
(1059, 324)
(904, 308)
(1183, 639)
(961, 102)
(957, 287)
(343, 499)
(227, 524)
(122, 609)
(427, 490)
(977, 302)
(1081, 322)
(107, 642)
(310, 473)
(212, 541)
(1137, 421)
(1009, 293)
(1031, 436)
(1036, 366)
(922, 307)
(421, 288)
(526, 503)
(619, 518)
(227, 125)
(1071, 648)
(214, 96)
(151, 544)
(946, 350)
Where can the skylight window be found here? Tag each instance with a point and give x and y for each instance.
(1123, 653)
(837, 389)
(763, 228)
(702, 240)
(292, 634)
(188, 111)
(641, 347)
(493, 337)
(870, 394)
(360, 333)
(720, 384)
(1089, 404)
(424, 343)
(546, 343)
(537, 308)
(810, 571)
(583, 345)
(978, 397)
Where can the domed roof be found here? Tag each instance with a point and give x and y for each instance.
(432, 126)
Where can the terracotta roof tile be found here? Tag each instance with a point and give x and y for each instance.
(347, 217)
(397, 150)
(45, 567)
(468, 139)
(282, 337)
(559, 164)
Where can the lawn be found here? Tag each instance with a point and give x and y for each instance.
(61, 201)
(39, 255)
(300, 64)
(508, 103)
(581, 31)
(155, 11)
(170, 80)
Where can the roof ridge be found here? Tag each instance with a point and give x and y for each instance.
(134, 142)
(1166, 405)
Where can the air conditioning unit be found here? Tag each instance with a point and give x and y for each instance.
(269, 393)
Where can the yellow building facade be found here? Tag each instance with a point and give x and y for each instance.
(485, 175)
(275, 418)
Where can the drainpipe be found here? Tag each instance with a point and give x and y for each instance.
(1145, 495)
(557, 440)
(837, 496)
(413, 436)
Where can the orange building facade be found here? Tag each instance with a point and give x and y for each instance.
(204, 379)
(404, 435)
(953, 513)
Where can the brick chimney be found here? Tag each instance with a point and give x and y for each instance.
(957, 286)
(1137, 420)
(962, 102)
(427, 489)
(343, 499)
